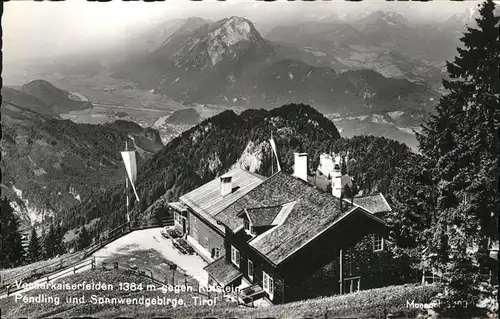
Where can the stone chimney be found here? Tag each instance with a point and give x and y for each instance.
(336, 176)
(300, 166)
(226, 185)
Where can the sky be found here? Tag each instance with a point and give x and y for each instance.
(33, 29)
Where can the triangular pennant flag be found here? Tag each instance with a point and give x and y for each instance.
(275, 151)
(130, 165)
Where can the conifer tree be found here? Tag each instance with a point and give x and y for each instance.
(343, 167)
(11, 248)
(84, 238)
(43, 236)
(58, 240)
(49, 242)
(461, 150)
(411, 196)
(34, 247)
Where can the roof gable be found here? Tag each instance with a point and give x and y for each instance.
(312, 212)
(263, 216)
(374, 203)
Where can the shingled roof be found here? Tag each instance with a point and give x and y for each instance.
(374, 204)
(207, 201)
(310, 212)
(223, 271)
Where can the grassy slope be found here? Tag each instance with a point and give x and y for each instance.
(148, 260)
(364, 304)
(45, 265)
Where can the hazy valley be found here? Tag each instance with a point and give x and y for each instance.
(362, 72)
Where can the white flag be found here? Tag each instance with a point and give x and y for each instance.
(130, 165)
(273, 145)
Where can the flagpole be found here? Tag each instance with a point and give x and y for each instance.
(272, 157)
(126, 183)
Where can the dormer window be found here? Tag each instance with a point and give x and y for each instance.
(249, 229)
(248, 226)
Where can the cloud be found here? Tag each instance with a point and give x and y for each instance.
(49, 28)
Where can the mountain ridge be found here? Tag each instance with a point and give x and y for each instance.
(58, 99)
(23, 100)
(228, 62)
(50, 164)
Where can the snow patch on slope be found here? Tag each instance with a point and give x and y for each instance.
(377, 118)
(396, 115)
(314, 52)
(75, 194)
(410, 130)
(33, 214)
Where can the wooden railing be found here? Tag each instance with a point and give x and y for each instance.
(71, 269)
(76, 259)
(41, 271)
(122, 230)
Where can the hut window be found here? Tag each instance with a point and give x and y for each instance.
(378, 243)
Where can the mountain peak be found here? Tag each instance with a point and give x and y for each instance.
(394, 18)
(229, 32)
(459, 21)
(193, 23)
(41, 84)
(233, 30)
(195, 20)
(391, 18)
(466, 16)
(238, 19)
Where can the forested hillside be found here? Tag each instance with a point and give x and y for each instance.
(49, 165)
(374, 161)
(210, 149)
(219, 143)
